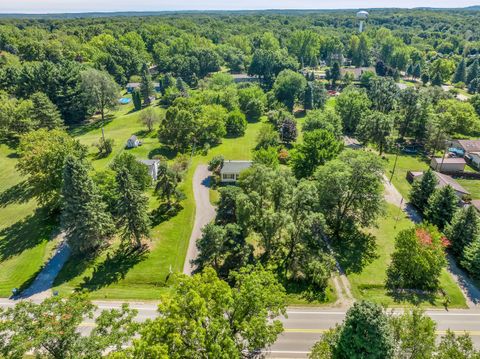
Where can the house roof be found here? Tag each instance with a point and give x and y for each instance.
(469, 145)
(235, 166)
(242, 76)
(137, 84)
(149, 162)
(438, 160)
(476, 204)
(133, 138)
(443, 181)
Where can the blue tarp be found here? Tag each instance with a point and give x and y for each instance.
(124, 100)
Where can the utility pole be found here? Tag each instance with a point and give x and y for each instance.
(394, 164)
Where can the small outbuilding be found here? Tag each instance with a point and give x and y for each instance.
(448, 165)
(131, 86)
(133, 142)
(238, 78)
(230, 171)
(153, 166)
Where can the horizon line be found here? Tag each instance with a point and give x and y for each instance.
(91, 12)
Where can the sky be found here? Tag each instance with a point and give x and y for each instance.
(72, 6)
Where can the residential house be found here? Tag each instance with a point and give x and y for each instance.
(133, 142)
(238, 78)
(466, 146)
(153, 166)
(230, 171)
(442, 181)
(357, 72)
(131, 86)
(473, 158)
(351, 142)
(447, 164)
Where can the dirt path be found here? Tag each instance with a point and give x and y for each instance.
(204, 213)
(469, 290)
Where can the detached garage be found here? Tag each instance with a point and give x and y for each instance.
(448, 165)
(230, 171)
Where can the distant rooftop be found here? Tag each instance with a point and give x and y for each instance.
(438, 160)
(443, 181)
(149, 162)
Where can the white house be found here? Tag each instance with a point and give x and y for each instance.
(448, 165)
(230, 171)
(133, 142)
(152, 167)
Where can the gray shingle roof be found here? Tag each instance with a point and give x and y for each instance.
(235, 166)
(149, 162)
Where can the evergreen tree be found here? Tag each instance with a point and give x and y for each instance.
(473, 72)
(465, 228)
(132, 209)
(146, 86)
(417, 71)
(422, 190)
(425, 78)
(85, 220)
(335, 74)
(437, 79)
(137, 100)
(410, 70)
(441, 207)
(308, 97)
(460, 73)
(380, 68)
(471, 258)
(45, 114)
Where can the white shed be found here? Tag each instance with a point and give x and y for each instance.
(448, 165)
(230, 171)
(133, 142)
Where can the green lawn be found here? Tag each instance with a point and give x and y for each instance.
(25, 233)
(471, 185)
(404, 164)
(369, 283)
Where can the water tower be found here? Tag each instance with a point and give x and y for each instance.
(362, 16)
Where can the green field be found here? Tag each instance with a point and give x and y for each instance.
(369, 283)
(404, 164)
(24, 231)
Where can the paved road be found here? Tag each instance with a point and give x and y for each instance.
(204, 212)
(41, 287)
(304, 326)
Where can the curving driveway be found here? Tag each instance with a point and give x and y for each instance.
(204, 213)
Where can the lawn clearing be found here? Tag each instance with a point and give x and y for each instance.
(369, 284)
(25, 232)
(404, 164)
(471, 185)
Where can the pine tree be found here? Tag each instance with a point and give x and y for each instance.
(464, 229)
(471, 258)
(437, 79)
(473, 72)
(425, 78)
(137, 100)
(410, 70)
(442, 206)
(45, 114)
(417, 71)
(308, 97)
(460, 73)
(132, 209)
(86, 222)
(146, 86)
(422, 190)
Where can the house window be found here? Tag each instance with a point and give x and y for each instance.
(229, 176)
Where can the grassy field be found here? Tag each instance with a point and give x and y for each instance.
(404, 164)
(471, 185)
(369, 283)
(25, 232)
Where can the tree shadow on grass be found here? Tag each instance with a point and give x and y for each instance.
(412, 296)
(113, 268)
(164, 151)
(164, 212)
(355, 250)
(84, 128)
(26, 234)
(305, 291)
(19, 193)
